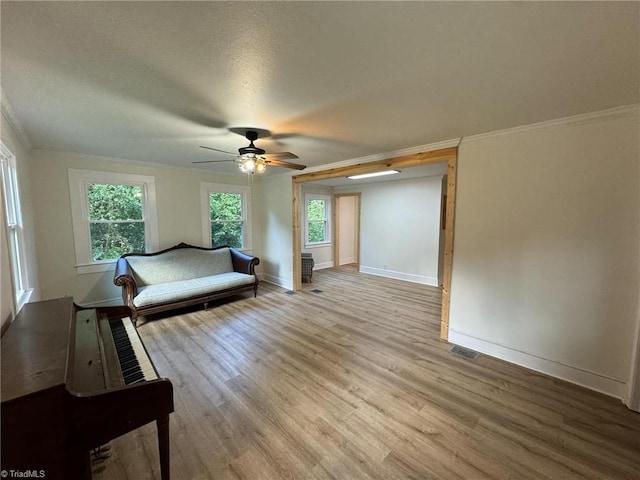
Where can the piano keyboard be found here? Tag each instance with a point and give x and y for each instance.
(134, 361)
(62, 383)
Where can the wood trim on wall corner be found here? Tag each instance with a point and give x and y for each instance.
(297, 228)
(449, 155)
(336, 230)
(452, 170)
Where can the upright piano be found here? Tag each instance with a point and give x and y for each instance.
(73, 379)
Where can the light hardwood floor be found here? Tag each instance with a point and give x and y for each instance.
(354, 383)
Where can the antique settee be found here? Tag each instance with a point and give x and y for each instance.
(183, 275)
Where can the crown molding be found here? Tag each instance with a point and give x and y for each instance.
(131, 162)
(12, 119)
(624, 111)
(612, 113)
(383, 156)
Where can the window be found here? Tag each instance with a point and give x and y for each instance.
(113, 214)
(317, 214)
(15, 233)
(226, 215)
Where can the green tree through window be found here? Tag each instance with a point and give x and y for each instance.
(316, 221)
(116, 220)
(226, 219)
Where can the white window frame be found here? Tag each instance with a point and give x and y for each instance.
(79, 181)
(327, 219)
(207, 188)
(15, 228)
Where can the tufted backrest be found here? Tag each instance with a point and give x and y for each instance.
(178, 265)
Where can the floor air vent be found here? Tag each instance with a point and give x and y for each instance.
(464, 352)
(316, 290)
(290, 292)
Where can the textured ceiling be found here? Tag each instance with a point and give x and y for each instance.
(333, 81)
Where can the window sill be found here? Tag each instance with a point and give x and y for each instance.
(317, 245)
(23, 298)
(98, 267)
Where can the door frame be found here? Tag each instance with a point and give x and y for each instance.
(449, 155)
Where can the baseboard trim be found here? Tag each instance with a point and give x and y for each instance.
(279, 281)
(348, 260)
(320, 266)
(109, 302)
(409, 277)
(5, 324)
(591, 380)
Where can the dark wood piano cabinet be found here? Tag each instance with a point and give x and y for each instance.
(67, 388)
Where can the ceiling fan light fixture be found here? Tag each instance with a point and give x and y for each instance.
(261, 167)
(252, 159)
(249, 163)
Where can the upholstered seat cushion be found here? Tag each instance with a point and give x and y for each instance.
(175, 291)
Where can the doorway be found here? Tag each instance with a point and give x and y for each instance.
(448, 155)
(346, 233)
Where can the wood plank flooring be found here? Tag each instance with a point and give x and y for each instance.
(353, 382)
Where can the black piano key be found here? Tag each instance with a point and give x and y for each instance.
(125, 351)
(132, 372)
(129, 367)
(127, 357)
(132, 368)
(132, 364)
(129, 379)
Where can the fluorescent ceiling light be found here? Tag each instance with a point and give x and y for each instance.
(375, 174)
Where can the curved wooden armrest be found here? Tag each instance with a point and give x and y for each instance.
(124, 278)
(242, 262)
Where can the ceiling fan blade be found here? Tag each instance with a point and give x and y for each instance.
(214, 161)
(280, 163)
(280, 156)
(217, 150)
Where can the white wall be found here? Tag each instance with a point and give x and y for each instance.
(178, 208)
(23, 168)
(347, 222)
(400, 228)
(545, 266)
(276, 215)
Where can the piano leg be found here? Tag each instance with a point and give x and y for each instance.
(79, 458)
(163, 447)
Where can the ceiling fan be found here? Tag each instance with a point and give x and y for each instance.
(252, 159)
